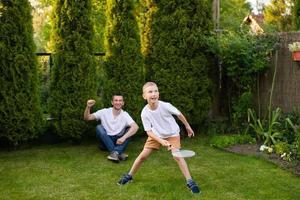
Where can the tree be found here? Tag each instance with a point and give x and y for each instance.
(232, 20)
(174, 35)
(74, 73)
(42, 10)
(21, 117)
(123, 61)
(296, 15)
(278, 15)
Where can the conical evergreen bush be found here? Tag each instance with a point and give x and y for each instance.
(21, 117)
(174, 46)
(74, 72)
(123, 62)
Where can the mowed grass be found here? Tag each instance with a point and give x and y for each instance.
(82, 172)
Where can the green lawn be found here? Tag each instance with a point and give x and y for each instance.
(83, 172)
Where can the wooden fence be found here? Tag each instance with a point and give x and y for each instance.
(286, 93)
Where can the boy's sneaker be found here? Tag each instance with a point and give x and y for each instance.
(193, 187)
(125, 179)
(123, 156)
(114, 156)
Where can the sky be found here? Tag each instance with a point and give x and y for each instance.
(254, 3)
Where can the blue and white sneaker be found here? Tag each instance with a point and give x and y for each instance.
(193, 187)
(125, 179)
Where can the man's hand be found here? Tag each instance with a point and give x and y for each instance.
(121, 140)
(90, 103)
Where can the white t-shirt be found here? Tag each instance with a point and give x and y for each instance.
(161, 121)
(113, 125)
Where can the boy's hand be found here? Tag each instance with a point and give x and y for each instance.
(165, 143)
(90, 103)
(190, 131)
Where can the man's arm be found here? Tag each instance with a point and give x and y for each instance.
(188, 128)
(87, 112)
(131, 131)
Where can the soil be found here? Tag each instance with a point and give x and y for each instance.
(253, 149)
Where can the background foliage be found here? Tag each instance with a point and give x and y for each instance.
(277, 14)
(243, 58)
(296, 15)
(73, 78)
(176, 58)
(123, 65)
(20, 111)
(230, 20)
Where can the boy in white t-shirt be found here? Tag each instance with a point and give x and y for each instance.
(115, 129)
(162, 130)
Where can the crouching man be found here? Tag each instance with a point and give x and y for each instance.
(115, 129)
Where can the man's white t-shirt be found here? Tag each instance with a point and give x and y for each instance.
(113, 125)
(161, 121)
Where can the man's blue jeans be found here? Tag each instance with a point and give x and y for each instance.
(110, 141)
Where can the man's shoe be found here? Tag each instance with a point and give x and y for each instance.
(123, 156)
(193, 187)
(113, 156)
(125, 179)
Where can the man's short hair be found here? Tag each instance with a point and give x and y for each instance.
(117, 94)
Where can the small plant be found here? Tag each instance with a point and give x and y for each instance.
(265, 131)
(222, 141)
(295, 46)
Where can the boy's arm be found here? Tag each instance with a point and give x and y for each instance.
(163, 142)
(188, 128)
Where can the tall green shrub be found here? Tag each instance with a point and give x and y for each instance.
(74, 73)
(174, 33)
(123, 62)
(20, 110)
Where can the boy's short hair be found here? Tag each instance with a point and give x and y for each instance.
(148, 84)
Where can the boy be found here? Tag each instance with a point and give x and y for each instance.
(161, 129)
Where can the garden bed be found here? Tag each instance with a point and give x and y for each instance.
(253, 149)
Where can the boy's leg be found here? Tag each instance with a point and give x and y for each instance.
(136, 165)
(183, 167)
(149, 146)
(139, 160)
(101, 134)
(175, 142)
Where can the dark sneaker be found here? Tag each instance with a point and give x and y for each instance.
(193, 187)
(125, 179)
(113, 156)
(123, 156)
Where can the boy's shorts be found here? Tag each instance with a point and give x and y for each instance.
(153, 144)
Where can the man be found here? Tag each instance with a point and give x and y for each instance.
(115, 129)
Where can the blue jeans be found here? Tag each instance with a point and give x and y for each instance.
(110, 141)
